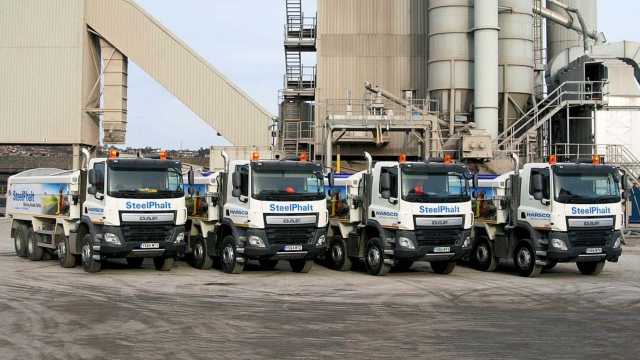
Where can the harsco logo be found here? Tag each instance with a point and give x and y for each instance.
(385, 213)
(291, 208)
(28, 196)
(239, 212)
(149, 205)
(538, 215)
(441, 209)
(594, 210)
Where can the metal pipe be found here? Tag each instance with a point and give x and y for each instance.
(516, 163)
(86, 156)
(329, 152)
(225, 158)
(486, 73)
(566, 21)
(369, 162)
(583, 25)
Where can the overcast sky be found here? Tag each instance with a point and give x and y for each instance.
(243, 39)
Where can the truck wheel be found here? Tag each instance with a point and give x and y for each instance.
(403, 265)
(268, 264)
(550, 265)
(65, 257)
(525, 260)
(338, 255)
(35, 252)
(163, 263)
(483, 258)
(201, 259)
(89, 263)
(591, 268)
(374, 258)
(20, 241)
(443, 267)
(301, 265)
(135, 262)
(230, 264)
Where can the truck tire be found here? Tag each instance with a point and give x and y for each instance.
(268, 264)
(402, 265)
(163, 263)
(338, 257)
(230, 264)
(374, 258)
(483, 257)
(443, 267)
(89, 264)
(200, 256)
(65, 257)
(591, 268)
(20, 241)
(134, 262)
(301, 265)
(525, 260)
(35, 252)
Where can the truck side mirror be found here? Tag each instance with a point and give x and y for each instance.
(91, 190)
(538, 186)
(92, 177)
(385, 185)
(475, 181)
(191, 181)
(236, 180)
(331, 179)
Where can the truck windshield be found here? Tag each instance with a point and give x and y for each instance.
(145, 183)
(434, 187)
(585, 187)
(287, 185)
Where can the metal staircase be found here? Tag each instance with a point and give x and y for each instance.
(614, 154)
(300, 34)
(571, 93)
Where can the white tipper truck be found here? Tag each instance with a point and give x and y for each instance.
(265, 210)
(131, 208)
(400, 212)
(547, 213)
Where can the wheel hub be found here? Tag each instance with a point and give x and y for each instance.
(374, 257)
(198, 251)
(62, 249)
(86, 253)
(336, 253)
(30, 247)
(524, 258)
(482, 253)
(18, 243)
(228, 255)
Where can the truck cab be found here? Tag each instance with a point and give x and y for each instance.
(269, 210)
(401, 212)
(134, 208)
(554, 212)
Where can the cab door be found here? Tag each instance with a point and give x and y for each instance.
(536, 212)
(236, 207)
(385, 206)
(94, 206)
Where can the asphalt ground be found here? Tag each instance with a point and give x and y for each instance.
(47, 312)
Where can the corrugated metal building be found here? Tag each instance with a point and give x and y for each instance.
(50, 62)
(380, 41)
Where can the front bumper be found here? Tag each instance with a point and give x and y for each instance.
(279, 250)
(433, 251)
(130, 247)
(580, 253)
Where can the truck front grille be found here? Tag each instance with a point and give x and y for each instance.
(437, 236)
(590, 237)
(146, 233)
(293, 235)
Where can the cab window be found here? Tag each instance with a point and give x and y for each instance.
(393, 171)
(546, 193)
(98, 169)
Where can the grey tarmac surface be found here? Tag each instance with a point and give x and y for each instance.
(47, 312)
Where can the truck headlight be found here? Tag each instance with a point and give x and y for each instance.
(617, 242)
(406, 243)
(256, 241)
(467, 242)
(112, 239)
(322, 240)
(179, 238)
(559, 244)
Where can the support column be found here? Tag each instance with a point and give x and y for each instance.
(486, 66)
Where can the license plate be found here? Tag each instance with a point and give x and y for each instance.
(594, 250)
(149, 246)
(293, 248)
(441, 249)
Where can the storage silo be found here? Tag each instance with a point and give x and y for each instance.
(516, 58)
(559, 37)
(450, 57)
